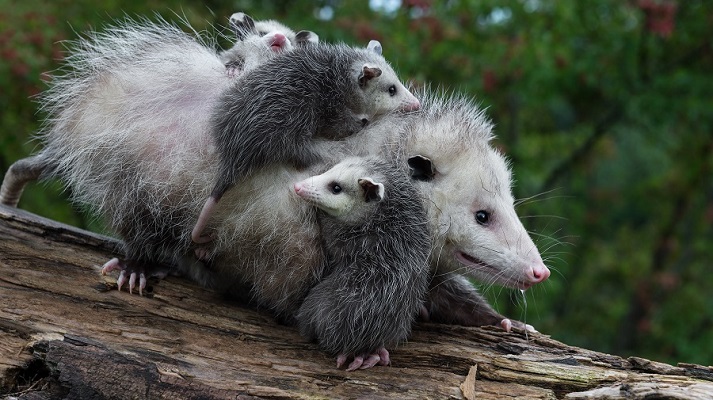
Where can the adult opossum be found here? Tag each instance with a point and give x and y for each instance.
(148, 169)
(376, 243)
(259, 41)
(467, 184)
(273, 113)
(270, 243)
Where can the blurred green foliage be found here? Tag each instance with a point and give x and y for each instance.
(605, 108)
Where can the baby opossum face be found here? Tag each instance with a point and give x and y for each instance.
(380, 86)
(276, 36)
(345, 192)
(479, 232)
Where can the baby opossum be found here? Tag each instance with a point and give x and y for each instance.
(259, 41)
(376, 243)
(275, 113)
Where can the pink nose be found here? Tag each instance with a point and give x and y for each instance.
(298, 188)
(278, 40)
(412, 106)
(540, 273)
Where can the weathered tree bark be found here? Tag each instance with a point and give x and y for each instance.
(65, 332)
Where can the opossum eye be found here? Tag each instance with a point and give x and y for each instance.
(335, 188)
(392, 90)
(482, 217)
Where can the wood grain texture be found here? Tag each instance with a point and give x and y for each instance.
(65, 332)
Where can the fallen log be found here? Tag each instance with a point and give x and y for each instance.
(66, 332)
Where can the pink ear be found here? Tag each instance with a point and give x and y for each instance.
(373, 191)
(368, 73)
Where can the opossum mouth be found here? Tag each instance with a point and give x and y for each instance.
(471, 261)
(475, 263)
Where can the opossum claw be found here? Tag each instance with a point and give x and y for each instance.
(117, 265)
(358, 361)
(364, 361)
(111, 265)
(142, 283)
(121, 280)
(384, 356)
(370, 361)
(132, 282)
(506, 324)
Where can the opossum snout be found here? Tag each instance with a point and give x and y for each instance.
(411, 105)
(278, 42)
(299, 189)
(537, 273)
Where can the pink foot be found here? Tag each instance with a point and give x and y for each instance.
(364, 361)
(116, 265)
(507, 324)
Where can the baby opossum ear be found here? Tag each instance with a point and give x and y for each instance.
(374, 46)
(373, 191)
(421, 168)
(242, 24)
(306, 37)
(368, 73)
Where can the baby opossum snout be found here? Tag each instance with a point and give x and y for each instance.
(278, 42)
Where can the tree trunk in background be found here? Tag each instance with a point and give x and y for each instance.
(65, 332)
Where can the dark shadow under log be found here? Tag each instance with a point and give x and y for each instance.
(65, 332)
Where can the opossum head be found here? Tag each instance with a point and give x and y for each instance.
(380, 89)
(467, 184)
(275, 35)
(348, 191)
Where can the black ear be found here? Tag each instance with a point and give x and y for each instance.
(368, 73)
(304, 38)
(373, 191)
(242, 25)
(421, 168)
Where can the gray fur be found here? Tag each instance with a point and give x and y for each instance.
(273, 113)
(377, 264)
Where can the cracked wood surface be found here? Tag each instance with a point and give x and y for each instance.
(65, 332)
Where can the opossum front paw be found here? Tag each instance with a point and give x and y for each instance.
(508, 324)
(126, 274)
(364, 361)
